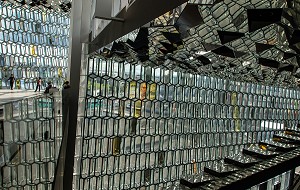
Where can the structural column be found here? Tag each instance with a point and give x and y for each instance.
(77, 58)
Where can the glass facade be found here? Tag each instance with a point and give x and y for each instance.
(145, 127)
(34, 43)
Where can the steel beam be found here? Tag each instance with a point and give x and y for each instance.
(75, 55)
(78, 32)
(111, 18)
(139, 13)
(86, 15)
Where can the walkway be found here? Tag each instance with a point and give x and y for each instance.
(7, 95)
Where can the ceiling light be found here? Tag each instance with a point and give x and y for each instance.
(245, 63)
(202, 52)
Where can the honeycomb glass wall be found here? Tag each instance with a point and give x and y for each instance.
(146, 127)
(34, 43)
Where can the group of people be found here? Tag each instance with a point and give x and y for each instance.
(38, 84)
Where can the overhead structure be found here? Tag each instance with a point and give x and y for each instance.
(131, 17)
(55, 5)
(230, 37)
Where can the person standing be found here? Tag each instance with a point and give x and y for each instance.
(11, 81)
(66, 85)
(38, 84)
(47, 90)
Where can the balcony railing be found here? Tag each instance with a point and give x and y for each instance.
(30, 139)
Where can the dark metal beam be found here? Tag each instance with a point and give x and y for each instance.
(65, 168)
(138, 14)
(86, 21)
(111, 18)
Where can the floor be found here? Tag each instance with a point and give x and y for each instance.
(7, 95)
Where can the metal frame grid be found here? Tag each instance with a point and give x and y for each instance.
(34, 43)
(31, 136)
(144, 126)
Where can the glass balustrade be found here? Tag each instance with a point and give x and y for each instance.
(31, 136)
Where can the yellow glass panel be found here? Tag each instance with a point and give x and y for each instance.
(59, 72)
(143, 90)
(137, 108)
(236, 112)
(33, 50)
(89, 87)
(152, 91)
(237, 125)
(132, 88)
(44, 17)
(263, 147)
(233, 98)
(18, 84)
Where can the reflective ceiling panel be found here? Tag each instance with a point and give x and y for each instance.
(55, 5)
(245, 40)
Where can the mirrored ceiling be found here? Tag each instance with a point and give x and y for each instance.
(246, 40)
(55, 5)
